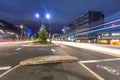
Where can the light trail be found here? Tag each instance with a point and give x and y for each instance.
(111, 51)
(87, 30)
(99, 29)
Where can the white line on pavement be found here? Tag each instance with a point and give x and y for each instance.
(9, 71)
(5, 68)
(53, 50)
(18, 49)
(102, 60)
(92, 72)
(109, 69)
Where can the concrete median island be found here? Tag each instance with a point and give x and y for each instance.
(48, 59)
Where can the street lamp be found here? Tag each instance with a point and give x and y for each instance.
(22, 32)
(21, 26)
(37, 15)
(48, 16)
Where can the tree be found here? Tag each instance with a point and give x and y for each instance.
(42, 34)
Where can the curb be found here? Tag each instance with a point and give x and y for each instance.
(48, 60)
(31, 45)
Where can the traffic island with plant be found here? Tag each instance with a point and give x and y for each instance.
(43, 36)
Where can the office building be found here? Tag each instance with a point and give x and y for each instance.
(86, 22)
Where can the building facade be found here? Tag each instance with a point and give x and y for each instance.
(8, 31)
(110, 35)
(87, 22)
(101, 31)
(89, 19)
(104, 33)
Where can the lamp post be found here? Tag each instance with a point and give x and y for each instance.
(48, 16)
(21, 27)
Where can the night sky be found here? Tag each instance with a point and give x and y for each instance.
(65, 11)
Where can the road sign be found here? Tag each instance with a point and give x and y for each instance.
(28, 32)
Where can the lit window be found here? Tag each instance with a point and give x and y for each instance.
(115, 34)
(1, 31)
(107, 34)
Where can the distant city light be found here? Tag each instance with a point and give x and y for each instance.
(48, 16)
(63, 30)
(21, 26)
(37, 15)
(113, 25)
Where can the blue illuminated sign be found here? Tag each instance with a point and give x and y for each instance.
(28, 32)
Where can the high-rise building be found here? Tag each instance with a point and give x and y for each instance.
(87, 22)
(89, 19)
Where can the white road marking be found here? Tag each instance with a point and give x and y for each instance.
(9, 71)
(109, 69)
(5, 68)
(18, 49)
(102, 60)
(53, 50)
(92, 72)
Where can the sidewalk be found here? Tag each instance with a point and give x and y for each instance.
(109, 50)
(106, 45)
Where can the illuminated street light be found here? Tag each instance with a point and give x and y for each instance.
(37, 15)
(22, 31)
(48, 16)
(21, 26)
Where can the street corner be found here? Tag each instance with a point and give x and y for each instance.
(48, 60)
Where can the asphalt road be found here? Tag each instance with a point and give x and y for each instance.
(12, 54)
(106, 66)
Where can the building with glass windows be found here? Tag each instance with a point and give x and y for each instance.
(106, 33)
(89, 19)
(87, 22)
(103, 31)
(110, 36)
